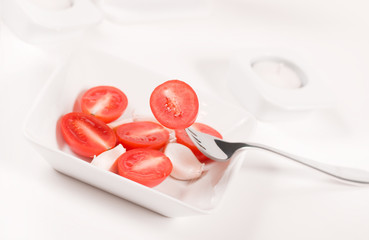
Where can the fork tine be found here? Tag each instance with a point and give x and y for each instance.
(194, 136)
(191, 131)
(199, 144)
(197, 140)
(206, 144)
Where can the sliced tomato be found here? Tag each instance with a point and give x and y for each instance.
(104, 102)
(86, 135)
(145, 166)
(174, 104)
(184, 139)
(142, 135)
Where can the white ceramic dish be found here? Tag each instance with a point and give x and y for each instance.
(171, 198)
(269, 102)
(36, 24)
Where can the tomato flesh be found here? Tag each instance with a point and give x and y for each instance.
(143, 134)
(148, 167)
(174, 104)
(184, 139)
(104, 102)
(86, 135)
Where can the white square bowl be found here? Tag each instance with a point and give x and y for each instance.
(172, 198)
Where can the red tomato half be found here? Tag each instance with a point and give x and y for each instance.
(86, 135)
(174, 104)
(184, 139)
(104, 102)
(146, 166)
(142, 135)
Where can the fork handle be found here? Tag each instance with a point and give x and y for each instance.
(340, 172)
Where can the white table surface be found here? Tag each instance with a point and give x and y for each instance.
(270, 198)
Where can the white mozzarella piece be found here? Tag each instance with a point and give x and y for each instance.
(106, 160)
(185, 164)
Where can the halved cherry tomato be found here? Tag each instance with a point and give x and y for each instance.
(142, 135)
(184, 139)
(104, 102)
(174, 104)
(145, 166)
(86, 135)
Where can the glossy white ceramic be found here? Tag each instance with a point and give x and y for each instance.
(36, 24)
(172, 198)
(268, 102)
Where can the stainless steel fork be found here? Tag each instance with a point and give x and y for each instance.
(220, 150)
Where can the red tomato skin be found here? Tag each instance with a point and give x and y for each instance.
(72, 125)
(148, 176)
(174, 104)
(129, 135)
(184, 139)
(112, 111)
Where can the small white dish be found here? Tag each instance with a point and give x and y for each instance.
(267, 99)
(171, 198)
(36, 23)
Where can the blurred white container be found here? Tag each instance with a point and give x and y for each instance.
(128, 11)
(42, 21)
(55, 5)
(275, 84)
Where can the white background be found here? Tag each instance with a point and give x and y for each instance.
(271, 198)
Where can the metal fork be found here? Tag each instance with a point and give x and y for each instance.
(220, 150)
